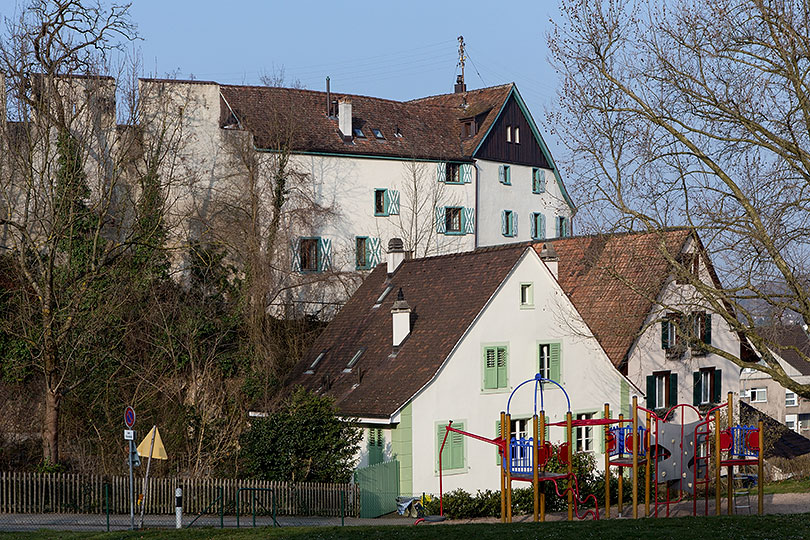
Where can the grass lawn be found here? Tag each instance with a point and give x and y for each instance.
(788, 486)
(777, 527)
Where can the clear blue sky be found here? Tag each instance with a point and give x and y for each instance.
(398, 50)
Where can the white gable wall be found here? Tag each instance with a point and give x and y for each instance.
(456, 393)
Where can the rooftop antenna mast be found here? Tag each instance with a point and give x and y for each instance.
(462, 57)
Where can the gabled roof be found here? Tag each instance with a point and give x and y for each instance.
(613, 280)
(446, 294)
(780, 440)
(790, 339)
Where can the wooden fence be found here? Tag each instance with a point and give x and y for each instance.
(34, 493)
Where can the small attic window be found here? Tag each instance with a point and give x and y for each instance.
(379, 301)
(354, 360)
(359, 133)
(378, 134)
(397, 133)
(314, 364)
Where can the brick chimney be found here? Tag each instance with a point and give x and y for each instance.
(401, 318)
(460, 86)
(345, 118)
(396, 254)
(549, 256)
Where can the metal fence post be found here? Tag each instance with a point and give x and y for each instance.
(222, 508)
(273, 494)
(107, 503)
(253, 506)
(342, 507)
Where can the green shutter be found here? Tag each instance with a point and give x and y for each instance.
(497, 434)
(707, 329)
(490, 368)
(673, 389)
(665, 334)
(651, 392)
(501, 368)
(554, 362)
(441, 171)
(440, 431)
(717, 391)
(456, 448)
(696, 390)
(625, 398)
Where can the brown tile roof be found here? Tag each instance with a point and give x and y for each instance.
(446, 293)
(613, 279)
(789, 341)
(430, 127)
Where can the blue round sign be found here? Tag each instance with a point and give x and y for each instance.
(129, 417)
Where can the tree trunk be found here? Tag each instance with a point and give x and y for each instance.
(50, 428)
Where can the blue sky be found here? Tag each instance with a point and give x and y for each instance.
(396, 50)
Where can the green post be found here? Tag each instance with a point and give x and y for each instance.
(273, 495)
(342, 506)
(253, 506)
(107, 503)
(222, 507)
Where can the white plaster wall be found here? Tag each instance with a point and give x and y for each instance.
(518, 197)
(456, 393)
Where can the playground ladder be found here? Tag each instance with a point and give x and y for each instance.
(702, 438)
(739, 491)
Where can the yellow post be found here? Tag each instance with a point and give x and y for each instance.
(717, 462)
(568, 434)
(647, 445)
(620, 470)
(607, 464)
(542, 444)
(508, 419)
(760, 470)
(730, 477)
(535, 470)
(503, 472)
(635, 457)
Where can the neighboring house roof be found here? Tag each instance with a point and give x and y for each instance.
(446, 294)
(613, 281)
(430, 128)
(791, 340)
(780, 441)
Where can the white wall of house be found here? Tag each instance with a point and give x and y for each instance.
(763, 393)
(495, 197)
(457, 393)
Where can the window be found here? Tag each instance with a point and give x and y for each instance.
(791, 422)
(505, 174)
(791, 400)
(495, 362)
(759, 395)
(538, 226)
(526, 295)
(508, 223)
(452, 219)
(662, 390)
(359, 133)
(538, 181)
(508, 133)
(378, 134)
(397, 132)
(548, 364)
(354, 360)
(361, 253)
(701, 331)
(517, 135)
(315, 363)
(468, 128)
(453, 174)
(376, 446)
(519, 429)
(707, 386)
(386, 202)
(804, 422)
(670, 335)
(453, 454)
(584, 434)
(308, 253)
(563, 226)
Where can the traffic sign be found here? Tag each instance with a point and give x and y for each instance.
(129, 435)
(129, 417)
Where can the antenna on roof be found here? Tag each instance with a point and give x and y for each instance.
(328, 98)
(460, 85)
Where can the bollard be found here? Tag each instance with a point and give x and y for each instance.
(178, 508)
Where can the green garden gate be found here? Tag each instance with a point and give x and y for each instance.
(379, 488)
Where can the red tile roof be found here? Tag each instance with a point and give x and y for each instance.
(430, 127)
(613, 280)
(446, 293)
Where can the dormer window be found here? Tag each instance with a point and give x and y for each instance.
(354, 360)
(314, 364)
(359, 133)
(467, 128)
(378, 134)
(397, 133)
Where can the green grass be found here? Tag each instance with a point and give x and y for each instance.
(777, 527)
(788, 486)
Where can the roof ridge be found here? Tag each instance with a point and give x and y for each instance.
(476, 251)
(467, 92)
(680, 228)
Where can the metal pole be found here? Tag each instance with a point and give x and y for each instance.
(131, 488)
(508, 430)
(178, 508)
(504, 456)
(717, 462)
(620, 470)
(542, 435)
(635, 457)
(535, 470)
(146, 477)
(647, 444)
(342, 507)
(107, 503)
(607, 463)
(730, 478)
(222, 508)
(760, 470)
(568, 429)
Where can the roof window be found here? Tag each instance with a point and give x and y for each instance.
(397, 132)
(378, 134)
(315, 363)
(354, 360)
(382, 296)
(359, 133)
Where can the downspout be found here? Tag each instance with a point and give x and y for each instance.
(477, 188)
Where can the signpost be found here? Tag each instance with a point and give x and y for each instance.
(132, 459)
(157, 451)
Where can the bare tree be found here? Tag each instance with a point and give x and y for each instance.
(697, 114)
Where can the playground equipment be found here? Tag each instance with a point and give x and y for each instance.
(673, 454)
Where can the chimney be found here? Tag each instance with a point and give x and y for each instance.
(345, 118)
(328, 99)
(461, 86)
(401, 315)
(549, 256)
(396, 254)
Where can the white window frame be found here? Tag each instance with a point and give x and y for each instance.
(792, 422)
(759, 395)
(791, 399)
(544, 360)
(508, 134)
(661, 385)
(517, 134)
(527, 295)
(706, 386)
(584, 434)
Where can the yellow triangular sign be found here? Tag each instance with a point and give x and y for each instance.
(158, 451)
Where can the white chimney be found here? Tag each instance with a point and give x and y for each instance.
(345, 118)
(401, 315)
(549, 256)
(396, 254)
